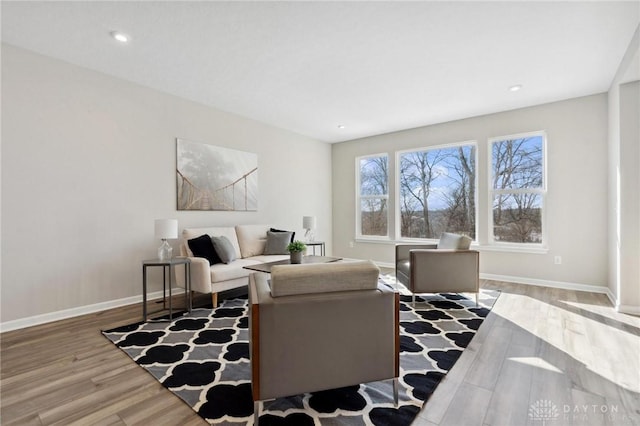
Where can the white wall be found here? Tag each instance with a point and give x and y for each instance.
(577, 188)
(624, 181)
(88, 163)
(629, 295)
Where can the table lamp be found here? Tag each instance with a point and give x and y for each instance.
(309, 224)
(166, 229)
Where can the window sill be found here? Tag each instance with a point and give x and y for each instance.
(474, 246)
(512, 249)
(381, 240)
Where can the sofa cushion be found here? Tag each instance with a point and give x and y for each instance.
(289, 280)
(224, 248)
(277, 242)
(293, 234)
(224, 272)
(202, 246)
(252, 239)
(229, 232)
(270, 258)
(451, 241)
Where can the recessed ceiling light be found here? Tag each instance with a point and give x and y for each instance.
(341, 126)
(515, 88)
(121, 37)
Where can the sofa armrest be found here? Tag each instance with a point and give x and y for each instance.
(200, 275)
(402, 250)
(259, 288)
(288, 280)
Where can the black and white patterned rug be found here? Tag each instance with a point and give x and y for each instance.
(204, 359)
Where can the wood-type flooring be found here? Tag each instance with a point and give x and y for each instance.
(540, 349)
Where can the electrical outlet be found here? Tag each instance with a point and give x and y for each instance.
(557, 260)
(350, 244)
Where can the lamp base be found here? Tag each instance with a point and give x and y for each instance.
(165, 251)
(309, 235)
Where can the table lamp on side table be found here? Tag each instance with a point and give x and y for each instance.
(166, 229)
(309, 224)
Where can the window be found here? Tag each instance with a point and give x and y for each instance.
(518, 188)
(437, 191)
(373, 195)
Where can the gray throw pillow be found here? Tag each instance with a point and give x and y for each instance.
(277, 242)
(224, 249)
(293, 233)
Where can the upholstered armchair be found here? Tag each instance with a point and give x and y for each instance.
(321, 326)
(448, 266)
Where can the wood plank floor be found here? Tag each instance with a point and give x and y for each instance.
(568, 349)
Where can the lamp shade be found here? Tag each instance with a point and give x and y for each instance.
(166, 229)
(308, 222)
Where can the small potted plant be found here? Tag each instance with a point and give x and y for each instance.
(296, 249)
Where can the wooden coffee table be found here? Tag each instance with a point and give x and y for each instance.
(266, 267)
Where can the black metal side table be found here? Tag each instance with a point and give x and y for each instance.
(167, 266)
(313, 245)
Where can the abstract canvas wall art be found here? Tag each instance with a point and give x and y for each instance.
(215, 178)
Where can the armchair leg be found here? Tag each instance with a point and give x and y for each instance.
(413, 300)
(395, 391)
(214, 300)
(477, 299)
(256, 412)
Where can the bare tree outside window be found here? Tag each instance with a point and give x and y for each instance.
(437, 192)
(374, 195)
(518, 188)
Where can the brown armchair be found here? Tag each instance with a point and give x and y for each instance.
(448, 266)
(321, 326)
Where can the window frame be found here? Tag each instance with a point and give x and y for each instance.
(542, 191)
(359, 197)
(397, 206)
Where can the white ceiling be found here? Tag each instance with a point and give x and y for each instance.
(374, 67)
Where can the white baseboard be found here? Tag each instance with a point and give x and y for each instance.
(628, 309)
(546, 283)
(89, 309)
(612, 297)
(82, 310)
(625, 309)
(532, 281)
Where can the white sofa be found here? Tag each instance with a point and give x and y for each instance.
(249, 242)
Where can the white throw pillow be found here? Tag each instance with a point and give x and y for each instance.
(449, 241)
